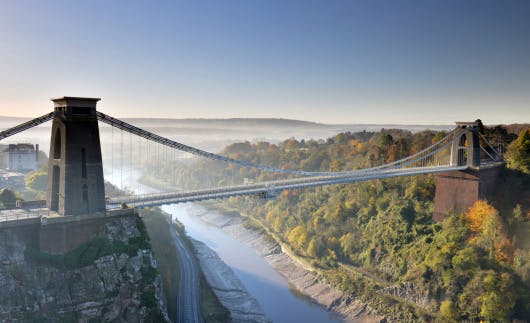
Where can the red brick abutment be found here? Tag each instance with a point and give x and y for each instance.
(457, 191)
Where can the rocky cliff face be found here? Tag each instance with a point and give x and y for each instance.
(112, 277)
(412, 293)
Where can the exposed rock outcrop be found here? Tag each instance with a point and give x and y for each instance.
(113, 277)
(412, 293)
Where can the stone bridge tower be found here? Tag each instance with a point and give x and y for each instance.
(75, 169)
(457, 191)
(465, 149)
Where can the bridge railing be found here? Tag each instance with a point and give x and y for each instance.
(422, 155)
(279, 185)
(19, 214)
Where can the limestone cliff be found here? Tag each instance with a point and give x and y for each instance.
(111, 277)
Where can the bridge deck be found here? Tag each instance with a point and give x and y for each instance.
(268, 188)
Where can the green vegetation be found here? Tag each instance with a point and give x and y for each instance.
(212, 310)
(519, 152)
(364, 237)
(81, 256)
(8, 198)
(37, 181)
(88, 252)
(162, 245)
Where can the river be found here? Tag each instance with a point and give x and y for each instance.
(278, 300)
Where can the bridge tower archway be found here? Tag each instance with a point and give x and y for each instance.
(466, 146)
(462, 153)
(57, 147)
(56, 175)
(75, 181)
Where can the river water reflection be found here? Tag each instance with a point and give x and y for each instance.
(268, 287)
(279, 302)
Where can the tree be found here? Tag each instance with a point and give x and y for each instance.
(495, 306)
(407, 212)
(517, 219)
(277, 225)
(313, 249)
(392, 153)
(489, 232)
(37, 181)
(317, 221)
(448, 311)
(331, 255)
(348, 242)
(340, 138)
(518, 154)
(385, 140)
(298, 237)
(8, 198)
(336, 165)
(518, 213)
(340, 212)
(466, 259)
(477, 213)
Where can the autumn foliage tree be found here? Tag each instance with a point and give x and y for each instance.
(478, 213)
(298, 237)
(488, 230)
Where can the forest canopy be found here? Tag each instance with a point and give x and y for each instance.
(372, 237)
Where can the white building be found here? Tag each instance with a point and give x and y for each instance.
(19, 157)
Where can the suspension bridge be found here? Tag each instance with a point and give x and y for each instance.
(77, 207)
(76, 176)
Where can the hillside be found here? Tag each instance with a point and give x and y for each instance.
(377, 240)
(279, 124)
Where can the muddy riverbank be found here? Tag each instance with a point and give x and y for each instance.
(227, 287)
(301, 278)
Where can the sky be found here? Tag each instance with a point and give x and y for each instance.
(374, 61)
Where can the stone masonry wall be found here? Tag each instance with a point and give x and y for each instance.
(457, 191)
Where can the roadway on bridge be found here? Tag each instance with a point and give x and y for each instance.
(188, 298)
(268, 188)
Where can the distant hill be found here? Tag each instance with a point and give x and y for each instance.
(254, 124)
(242, 122)
(516, 128)
(274, 122)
